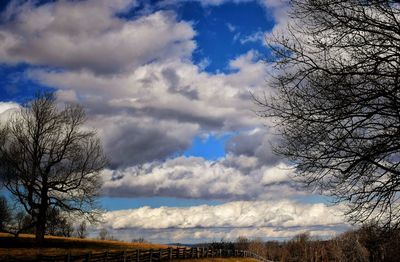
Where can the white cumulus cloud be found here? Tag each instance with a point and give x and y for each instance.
(271, 216)
(228, 178)
(88, 35)
(6, 111)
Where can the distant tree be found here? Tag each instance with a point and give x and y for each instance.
(139, 240)
(81, 231)
(257, 246)
(242, 243)
(58, 224)
(336, 101)
(5, 214)
(24, 223)
(48, 160)
(103, 234)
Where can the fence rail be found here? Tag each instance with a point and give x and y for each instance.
(151, 255)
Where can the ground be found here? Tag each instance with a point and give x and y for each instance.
(24, 245)
(233, 259)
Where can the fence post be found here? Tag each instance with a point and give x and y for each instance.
(160, 254)
(170, 254)
(124, 255)
(151, 254)
(87, 258)
(68, 257)
(138, 255)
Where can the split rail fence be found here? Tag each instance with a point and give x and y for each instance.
(152, 255)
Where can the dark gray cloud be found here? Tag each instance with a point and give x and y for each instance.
(257, 143)
(175, 86)
(129, 146)
(131, 141)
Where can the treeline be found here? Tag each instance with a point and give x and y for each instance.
(16, 221)
(370, 243)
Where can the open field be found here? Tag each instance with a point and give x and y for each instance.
(25, 245)
(73, 249)
(232, 259)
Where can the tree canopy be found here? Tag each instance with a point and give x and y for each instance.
(336, 102)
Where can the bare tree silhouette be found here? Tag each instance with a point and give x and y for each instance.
(336, 102)
(47, 160)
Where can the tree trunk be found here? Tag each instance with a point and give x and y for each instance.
(41, 218)
(40, 226)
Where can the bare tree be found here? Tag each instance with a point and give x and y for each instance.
(47, 159)
(58, 224)
(103, 234)
(81, 231)
(242, 243)
(336, 101)
(5, 214)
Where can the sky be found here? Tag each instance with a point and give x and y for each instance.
(168, 86)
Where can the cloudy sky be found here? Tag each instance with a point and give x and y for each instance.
(168, 84)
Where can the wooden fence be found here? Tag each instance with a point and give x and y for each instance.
(152, 255)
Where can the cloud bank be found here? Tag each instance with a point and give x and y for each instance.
(241, 214)
(265, 219)
(229, 178)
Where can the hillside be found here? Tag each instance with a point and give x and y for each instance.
(25, 245)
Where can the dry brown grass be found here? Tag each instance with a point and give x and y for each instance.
(233, 259)
(73, 240)
(24, 245)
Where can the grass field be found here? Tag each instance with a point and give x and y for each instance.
(233, 259)
(25, 245)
